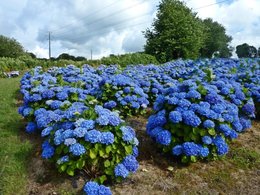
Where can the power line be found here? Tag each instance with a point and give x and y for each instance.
(109, 25)
(102, 32)
(211, 5)
(81, 18)
(109, 15)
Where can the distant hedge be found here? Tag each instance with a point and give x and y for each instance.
(27, 62)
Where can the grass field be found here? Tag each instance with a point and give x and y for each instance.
(14, 152)
(22, 171)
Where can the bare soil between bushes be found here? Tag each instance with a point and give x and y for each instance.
(237, 173)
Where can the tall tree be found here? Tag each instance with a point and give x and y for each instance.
(246, 51)
(9, 47)
(216, 40)
(175, 33)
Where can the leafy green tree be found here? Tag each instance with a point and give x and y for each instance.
(9, 47)
(175, 33)
(252, 52)
(216, 40)
(246, 51)
(65, 56)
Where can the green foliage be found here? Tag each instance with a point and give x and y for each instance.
(216, 41)
(65, 56)
(28, 61)
(175, 33)
(127, 59)
(9, 47)
(246, 51)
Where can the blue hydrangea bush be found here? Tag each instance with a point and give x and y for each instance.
(192, 120)
(77, 132)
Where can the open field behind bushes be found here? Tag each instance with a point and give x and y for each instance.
(198, 138)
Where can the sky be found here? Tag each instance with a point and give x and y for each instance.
(109, 27)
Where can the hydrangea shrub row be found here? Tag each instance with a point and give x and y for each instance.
(198, 107)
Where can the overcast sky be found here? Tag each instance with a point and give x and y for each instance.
(111, 26)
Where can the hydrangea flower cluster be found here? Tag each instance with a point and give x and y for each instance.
(120, 92)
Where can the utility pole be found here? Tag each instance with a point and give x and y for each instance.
(91, 54)
(49, 45)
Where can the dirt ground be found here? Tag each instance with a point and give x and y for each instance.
(237, 173)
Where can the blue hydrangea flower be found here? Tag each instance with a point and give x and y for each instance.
(233, 134)
(121, 171)
(164, 137)
(103, 190)
(159, 103)
(87, 124)
(68, 133)
(48, 94)
(225, 129)
(31, 127)
(102, 120)
(206, 140)
(93, 136)
(62, 95)
(222, 147)
(107, 138)
(237, 126)
(184, 103)
(135, 151)
(193, 94)
(135, 105)
(190, 149)
(208, 124)
(127, 90)
(46, 131)
(111, 104)
(177, 150)
(55, 104)
(35, 98)
(70, 141)
(213, 98)
(47, 150)
(155, 90)
(249, 109)
(80, 132)
(127, 132)
(130, 163)
(245, 122)
(190, 118)
(77, 149)
(114, 120)
(63, 159)
(153, 132)
(204, 152)
(27, 111)
(175, 116)
(91, 188)
(225, 91)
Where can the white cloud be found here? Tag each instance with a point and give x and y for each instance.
(41, 52)
(111, 26)
(241, 18)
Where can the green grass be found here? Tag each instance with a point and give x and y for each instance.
(13, 151)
